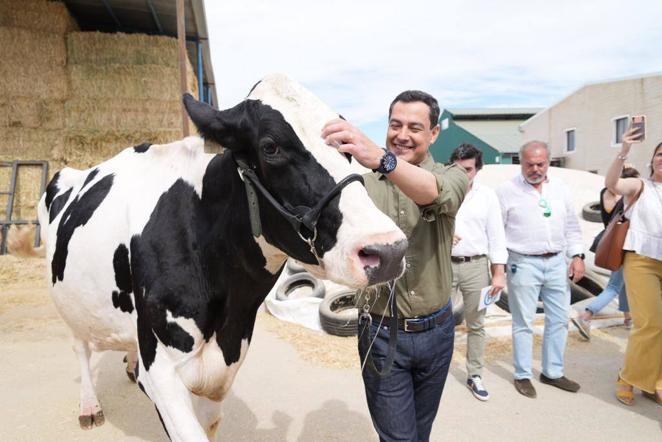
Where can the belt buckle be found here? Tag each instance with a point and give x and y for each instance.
(406, 327)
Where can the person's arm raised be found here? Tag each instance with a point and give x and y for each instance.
(415, 182)
(628, 187)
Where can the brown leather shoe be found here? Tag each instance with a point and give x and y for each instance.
(563, 383)
(525, 387)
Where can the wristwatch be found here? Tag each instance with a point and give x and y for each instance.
(580, 256)
(387, 163)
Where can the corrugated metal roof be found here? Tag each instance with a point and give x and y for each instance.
(157, 17)
(501, 135)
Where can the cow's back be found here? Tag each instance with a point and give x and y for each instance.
(88, 218)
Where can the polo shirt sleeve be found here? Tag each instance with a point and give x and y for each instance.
(452, 184)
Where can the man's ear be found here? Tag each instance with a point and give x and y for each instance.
(435, 133)
(223, 127)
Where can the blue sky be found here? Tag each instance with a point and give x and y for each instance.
(357, 55)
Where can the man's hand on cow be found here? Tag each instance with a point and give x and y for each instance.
(348, 139)
(576, 269)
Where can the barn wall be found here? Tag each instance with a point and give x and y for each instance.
(77, 98)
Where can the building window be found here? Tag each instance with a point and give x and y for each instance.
(570, 140)
(620, 126)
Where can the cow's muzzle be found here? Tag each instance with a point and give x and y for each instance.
(383, 262)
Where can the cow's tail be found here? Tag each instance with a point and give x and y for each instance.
(20, 242)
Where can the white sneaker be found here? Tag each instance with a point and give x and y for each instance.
(475, 384)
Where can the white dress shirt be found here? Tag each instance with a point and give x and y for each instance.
(528, 231)
(480, 226)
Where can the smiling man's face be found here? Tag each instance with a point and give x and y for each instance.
(409, 131)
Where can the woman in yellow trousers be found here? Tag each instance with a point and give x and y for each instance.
(643, 275)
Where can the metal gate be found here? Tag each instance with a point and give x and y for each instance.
(8, 220)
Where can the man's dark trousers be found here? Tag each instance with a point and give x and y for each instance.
(403, 404)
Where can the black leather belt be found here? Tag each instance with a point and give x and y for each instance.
(542, 255)
(415, 325)
(459, 259)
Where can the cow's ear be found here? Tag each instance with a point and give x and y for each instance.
(222, 127)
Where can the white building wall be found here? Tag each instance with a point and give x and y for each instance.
(590, 111)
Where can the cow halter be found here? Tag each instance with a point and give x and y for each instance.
(297, 216)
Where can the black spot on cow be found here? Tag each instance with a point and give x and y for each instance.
(90, 176)
(52, 190)
(141, 148)
(122, 301)
(122, 298)
(76, 215)
(57, 205)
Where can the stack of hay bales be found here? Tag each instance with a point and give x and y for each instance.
(77, 98)
(34, 86)
(124, 91)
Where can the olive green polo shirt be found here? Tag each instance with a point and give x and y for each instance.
(425, 286)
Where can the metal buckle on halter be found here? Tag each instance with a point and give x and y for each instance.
(365, 312)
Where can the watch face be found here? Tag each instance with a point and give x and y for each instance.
(389, 161)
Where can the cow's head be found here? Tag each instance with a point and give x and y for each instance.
(277, 132)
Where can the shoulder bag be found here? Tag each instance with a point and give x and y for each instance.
(609, 253)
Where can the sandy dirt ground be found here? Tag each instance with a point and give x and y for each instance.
(295, 385)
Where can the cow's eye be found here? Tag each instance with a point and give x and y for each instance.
(270, 148)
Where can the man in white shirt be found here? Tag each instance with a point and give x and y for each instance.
(541, 225)
(478, 235)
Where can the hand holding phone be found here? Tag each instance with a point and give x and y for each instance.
(638, 122)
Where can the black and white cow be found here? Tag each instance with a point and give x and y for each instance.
(152, 251)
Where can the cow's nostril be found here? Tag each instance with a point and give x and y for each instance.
(383, 262)
(369, 259)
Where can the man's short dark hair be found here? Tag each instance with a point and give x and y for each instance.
(413, 96)
(466, 151)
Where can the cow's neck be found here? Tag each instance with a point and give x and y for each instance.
(239, 272)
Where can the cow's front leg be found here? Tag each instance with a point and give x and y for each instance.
(172, 399)
(131, 360)
(91, 414)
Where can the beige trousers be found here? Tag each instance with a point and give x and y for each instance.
(643, 356)
(469, 278)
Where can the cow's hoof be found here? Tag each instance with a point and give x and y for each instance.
(131, 376)
(89, 421)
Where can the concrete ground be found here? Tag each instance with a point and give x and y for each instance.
(280, 397)
(288, 390)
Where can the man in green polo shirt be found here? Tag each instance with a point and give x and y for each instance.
(422, 198)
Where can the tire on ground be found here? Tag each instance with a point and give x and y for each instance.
(339, 314)
(294, 267)
(285, 291)
(591, 212)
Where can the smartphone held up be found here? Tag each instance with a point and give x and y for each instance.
(639, 122)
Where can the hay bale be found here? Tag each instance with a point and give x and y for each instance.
(38, 15)
(34, 80)
(118, 48)
(148, 82)
(122, 114)
(86, 148)
(20, 46)
(31, 144)
(31, 113)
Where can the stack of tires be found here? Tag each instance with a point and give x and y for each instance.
(338, 313)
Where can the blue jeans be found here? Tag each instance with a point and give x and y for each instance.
(528, 278)
(403, 404)
(615, 286)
